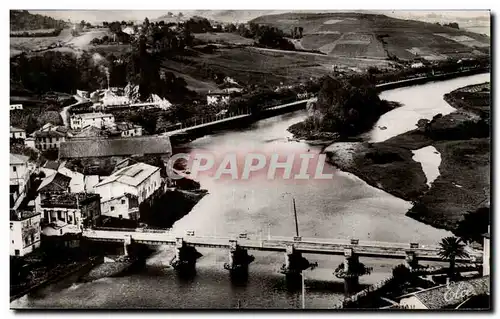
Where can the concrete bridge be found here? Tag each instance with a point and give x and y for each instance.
(291, 246)
(206, 124)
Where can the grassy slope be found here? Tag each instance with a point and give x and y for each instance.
(356, 34)
(465, 163)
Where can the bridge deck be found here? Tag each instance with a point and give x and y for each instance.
(277, 244)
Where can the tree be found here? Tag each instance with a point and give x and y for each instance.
(474, 225)
(451, 248)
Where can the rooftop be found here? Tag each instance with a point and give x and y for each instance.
(92, 115)
(69, 200)
(95, 147)
(16, 129)
(436, 297)
(51, 165)
(131, 175)
(21, 214)
(16, 159)
(55, 183)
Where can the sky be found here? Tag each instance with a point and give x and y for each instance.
(479, 19)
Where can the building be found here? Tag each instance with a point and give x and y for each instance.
(127, 129)
(69, 212)
(30, 142)
(17, 133)
(20, 172)
(49, 168)
(16, 107)
(118, 148)
(486, 253)
(79, 182)
(417, 65)
(439, 297)
(129, 30)
(112, 99)
(83, 94)
(217, 97)
(24, 232)
(125, 206)
(139, 179)
(49, 137)
(97, 119)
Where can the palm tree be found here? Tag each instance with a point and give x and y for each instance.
(449, 249)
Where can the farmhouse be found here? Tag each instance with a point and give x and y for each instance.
(20, 171)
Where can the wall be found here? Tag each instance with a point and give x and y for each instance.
(120, 207)
(19, 175)
(25, 235)
(45, 143)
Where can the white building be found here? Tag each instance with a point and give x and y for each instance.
(24, 232)
(417, 65)
(112, 99)
(218, 97)
(16, 107)
(20, 171)
(17, 133)
(83, 94)
(486, 253)
(139, 179)
(125, 206)
(97, 119)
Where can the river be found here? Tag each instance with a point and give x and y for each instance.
(341, 207)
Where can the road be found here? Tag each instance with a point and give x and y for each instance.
(65, 111)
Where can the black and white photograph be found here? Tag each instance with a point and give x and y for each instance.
(250, 159)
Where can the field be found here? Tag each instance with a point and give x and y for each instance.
(378, 36)
(226, 38)
(64, 42)
(250, 65)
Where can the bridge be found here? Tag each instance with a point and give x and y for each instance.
(279, 244)
(220, 120)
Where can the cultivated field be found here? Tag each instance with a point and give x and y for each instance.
(379, 36)
(225, 38)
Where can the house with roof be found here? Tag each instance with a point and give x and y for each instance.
(24, 232)
(50, 137)
(17, 133)
(139, 179)
(97, 119)
(116, 148)
(453, 295)
(49, 168)
(20, 172)
(218, 97)
(127, 129)
(125, 206)
(69, 213)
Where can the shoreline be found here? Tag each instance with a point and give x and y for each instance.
(443, 204)
(85, 267)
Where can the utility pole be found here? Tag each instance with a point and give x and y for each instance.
(295, 215)
(303, 291)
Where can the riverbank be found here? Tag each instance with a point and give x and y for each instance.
(56, 274)
(461, 138)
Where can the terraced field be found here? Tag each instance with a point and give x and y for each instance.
(358, 35)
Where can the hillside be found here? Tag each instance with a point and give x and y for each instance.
(23, 20)
(379, 36)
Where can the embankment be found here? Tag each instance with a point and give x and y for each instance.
(461, 138)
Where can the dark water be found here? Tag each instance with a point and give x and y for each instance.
(341, 207)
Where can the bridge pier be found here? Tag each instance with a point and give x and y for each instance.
(350, 270)
(185, 256)
(294, 263)
(239, 259)
(411, 260)
(126, 245)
